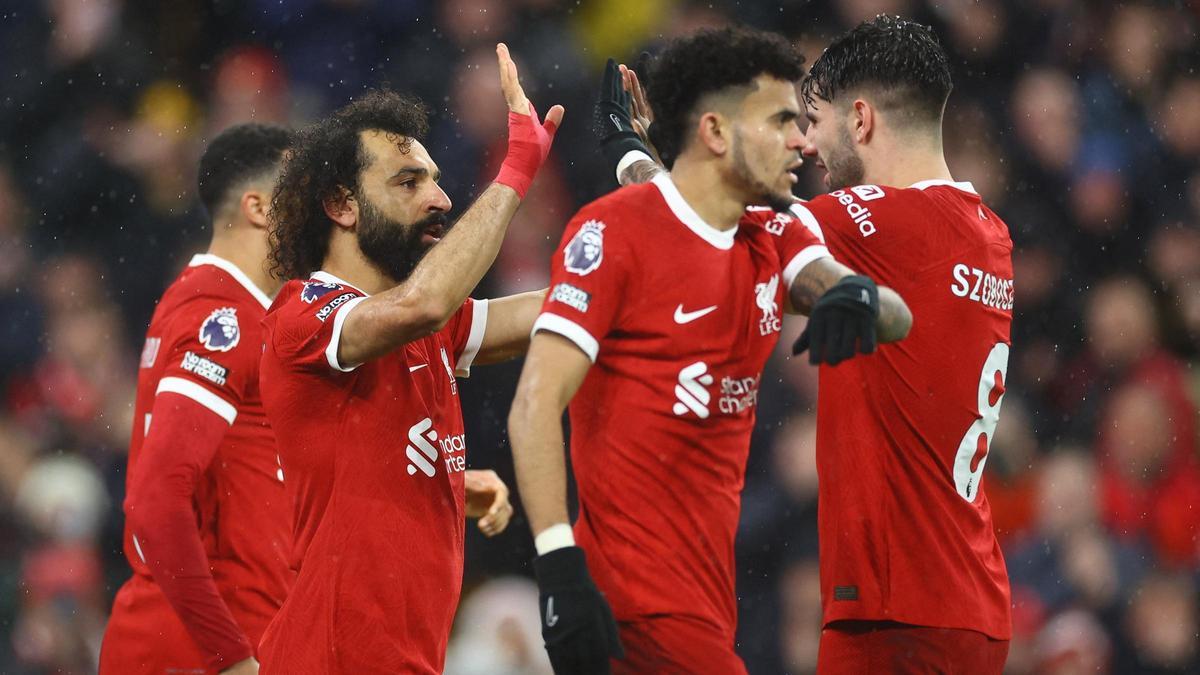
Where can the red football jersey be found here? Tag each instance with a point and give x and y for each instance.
(204, 342)
(679, 319)
(902, 436)
(374, 455)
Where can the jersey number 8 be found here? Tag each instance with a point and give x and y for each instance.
(973, 450)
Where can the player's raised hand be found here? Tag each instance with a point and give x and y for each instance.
(487, 500)
(613, 118)
(529, 139)
(577, 623)
(643, 116)
(842, 322)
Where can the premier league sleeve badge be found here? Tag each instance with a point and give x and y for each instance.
(220, 332)
(585, 251)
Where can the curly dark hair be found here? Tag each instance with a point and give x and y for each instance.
(239, 154)
(902, 60)
(326, 163)
(706, 62)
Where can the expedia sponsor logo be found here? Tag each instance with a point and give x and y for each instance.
(861, 215)
(571, 296)
(333, 304)
(206, 368)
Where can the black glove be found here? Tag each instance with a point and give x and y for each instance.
(841, 320)
(577, 623)
(614, 121)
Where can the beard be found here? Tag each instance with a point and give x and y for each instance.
(393, 247)
(844, 165)
(759, 191)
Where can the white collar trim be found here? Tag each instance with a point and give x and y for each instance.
(722, 239)
(322, 275)
(961, 185)
(233, 271)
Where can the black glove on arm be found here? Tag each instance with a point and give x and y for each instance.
(577, 623)
(842, 320)
(614, 122)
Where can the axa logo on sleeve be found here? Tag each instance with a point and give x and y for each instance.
(585, 251)
(860, 214)
(422, 453)
(220, 332)
(983, 287)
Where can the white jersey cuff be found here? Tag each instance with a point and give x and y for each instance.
(800, 261)
(178, 385)
(339, 321)
(570, 330)
(479, 317)
(553, 538)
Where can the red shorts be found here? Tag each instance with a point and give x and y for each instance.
(877, 647)
(669, 645)
(144, 635)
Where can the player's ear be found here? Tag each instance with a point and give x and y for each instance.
(342, 209)
(254, 207)
(862, 120)
(713, 132)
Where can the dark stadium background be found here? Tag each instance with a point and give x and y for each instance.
(1079, 122)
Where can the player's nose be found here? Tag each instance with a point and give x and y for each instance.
(440, 201)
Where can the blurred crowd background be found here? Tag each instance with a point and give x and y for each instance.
(1079, 122)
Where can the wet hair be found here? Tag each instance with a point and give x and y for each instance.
(707, 62)
(902, 61)
(325, 164)
(237, 155)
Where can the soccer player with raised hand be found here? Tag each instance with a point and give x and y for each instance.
(666, 302)
(363, 347)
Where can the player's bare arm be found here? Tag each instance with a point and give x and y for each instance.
(423, 303)
(554, 369)
(487, 500)
(246, 667)
(510, 321)
(817, 277)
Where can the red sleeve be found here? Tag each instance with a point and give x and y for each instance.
(465, 333)
(183, 438)
(588, 276)
(308, 327)
(213, 355)
(797, 236)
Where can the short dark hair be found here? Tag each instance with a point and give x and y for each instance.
(238, 154)
(706, 62)
(325, 163)
(902, 59)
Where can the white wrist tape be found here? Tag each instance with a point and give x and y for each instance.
(553, 538)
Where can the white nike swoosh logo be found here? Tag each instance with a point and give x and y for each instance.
(418, 367)
(688, 317)
(551, 617)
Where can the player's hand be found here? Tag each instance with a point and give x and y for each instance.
(613, 118)
(577, 623)
(842, 322)
(245, 667)
(643, 116)
(487, 500)
(529, 139)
